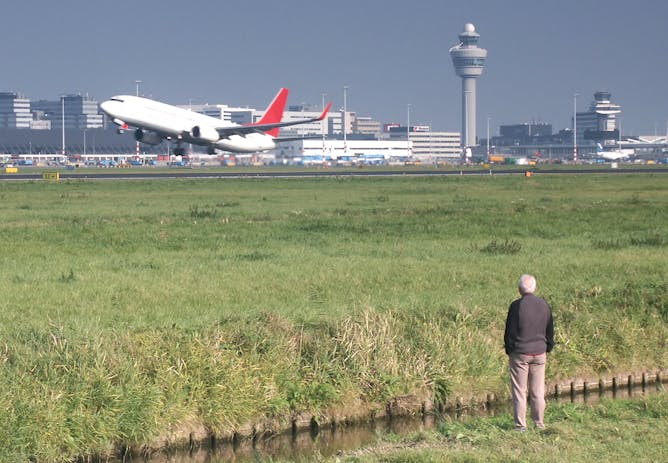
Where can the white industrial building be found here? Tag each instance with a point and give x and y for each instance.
(429, 146)
(318, 151)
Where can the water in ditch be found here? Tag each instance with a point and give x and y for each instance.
(328, 441)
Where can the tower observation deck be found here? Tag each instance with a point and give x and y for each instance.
(469, 61)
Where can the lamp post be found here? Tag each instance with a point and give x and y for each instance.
(345, 120)
(408, 129)
(62, 121)
(322, 127)
(137, 82)
(575, 127)
(488, 119)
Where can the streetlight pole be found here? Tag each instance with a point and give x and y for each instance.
(488, 119)
(190, 145)
(575, 127)
(345, 120)
(137, 82)
(322, 127)
(408, 130)
(62, 121)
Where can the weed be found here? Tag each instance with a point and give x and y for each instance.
(67, 278)
(608, 244)
(648, 240)
(254, 256)
(228, 204)
(507, 246)
(520, 208)
(206, 212)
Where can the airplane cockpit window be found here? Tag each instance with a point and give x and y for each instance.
(117, 99)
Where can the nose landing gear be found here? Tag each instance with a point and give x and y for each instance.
(179, 150)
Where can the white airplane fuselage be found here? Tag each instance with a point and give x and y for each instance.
(174, 123)
(612, 155)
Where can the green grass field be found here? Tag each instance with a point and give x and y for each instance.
(614, 431)
(132, 311)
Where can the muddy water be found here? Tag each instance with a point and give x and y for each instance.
(307, 445)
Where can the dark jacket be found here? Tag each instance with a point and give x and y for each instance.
(529, 326)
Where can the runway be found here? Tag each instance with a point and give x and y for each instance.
(137, 174)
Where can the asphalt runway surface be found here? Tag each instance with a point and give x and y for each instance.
(123, 174)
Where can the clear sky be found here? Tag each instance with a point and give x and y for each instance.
(389, 52)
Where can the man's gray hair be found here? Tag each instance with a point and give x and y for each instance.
(527, 284)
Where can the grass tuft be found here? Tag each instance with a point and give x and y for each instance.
(68, 278)
(608, 244)
(205, 212)
(649, 240)
(507, 247)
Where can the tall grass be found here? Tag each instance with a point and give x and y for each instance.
(135, 311)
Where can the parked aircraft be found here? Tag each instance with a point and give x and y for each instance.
(612, 155)
(154, 122)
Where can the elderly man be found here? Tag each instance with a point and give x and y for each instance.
(528, 337)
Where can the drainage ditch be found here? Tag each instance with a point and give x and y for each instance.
(327, 439)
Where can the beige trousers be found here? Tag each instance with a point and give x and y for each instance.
(528, 369)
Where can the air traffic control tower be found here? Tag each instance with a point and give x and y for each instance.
(468, 60)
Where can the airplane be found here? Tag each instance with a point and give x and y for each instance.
(154, 122)
(612, 155)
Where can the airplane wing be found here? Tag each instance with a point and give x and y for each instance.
(225, 132)
(305, 137)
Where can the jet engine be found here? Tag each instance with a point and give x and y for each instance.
(205, 133)
(150, 138)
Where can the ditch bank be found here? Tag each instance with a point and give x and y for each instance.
(345, 429)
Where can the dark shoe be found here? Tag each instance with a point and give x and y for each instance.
(520, 429)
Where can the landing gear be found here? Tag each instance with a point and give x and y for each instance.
(211, 150)
(179, 151)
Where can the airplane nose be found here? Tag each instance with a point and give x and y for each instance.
(105, 106)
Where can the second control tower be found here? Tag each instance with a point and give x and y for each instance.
(469, 61)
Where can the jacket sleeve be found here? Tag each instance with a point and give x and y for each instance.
(510, 333)
(549, 333)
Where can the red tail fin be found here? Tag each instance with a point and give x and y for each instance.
(274, 112)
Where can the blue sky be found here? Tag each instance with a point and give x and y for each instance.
(390, 53)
